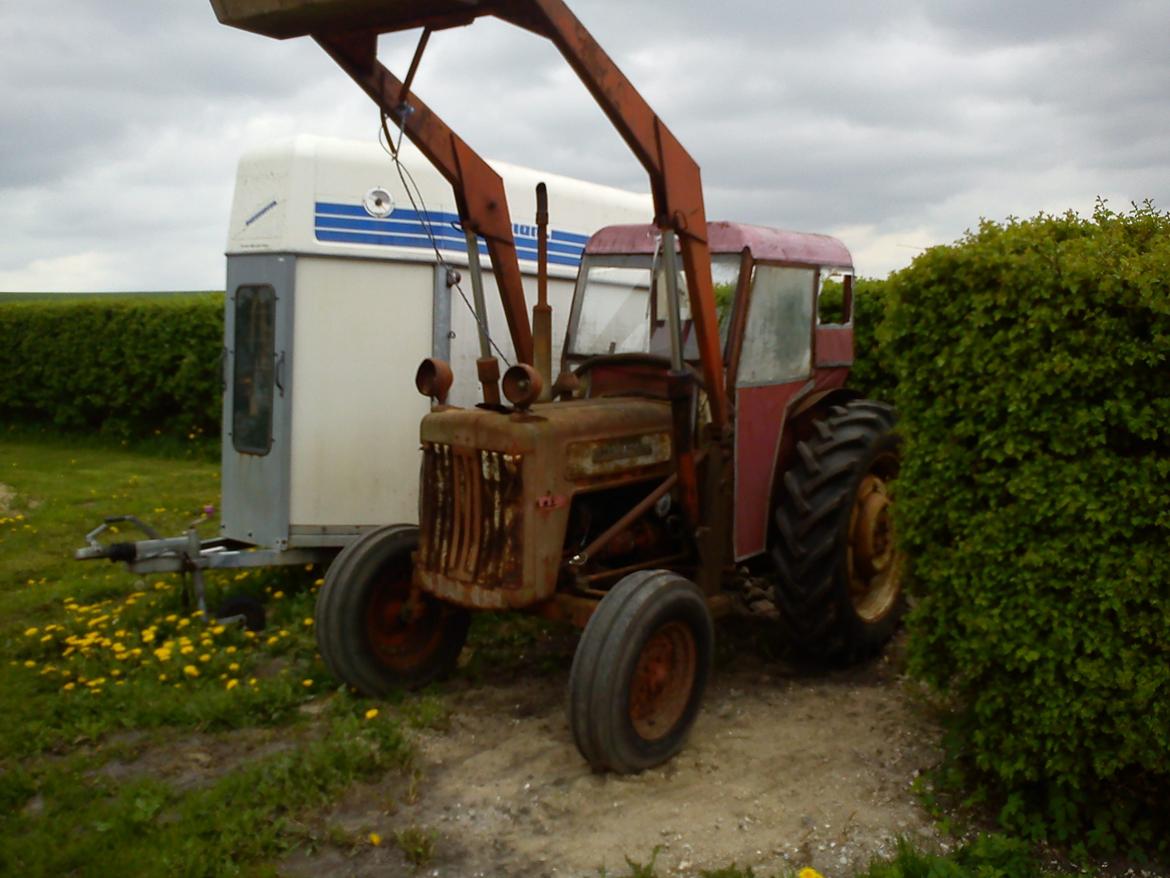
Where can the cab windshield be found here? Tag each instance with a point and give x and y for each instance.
(620, 306)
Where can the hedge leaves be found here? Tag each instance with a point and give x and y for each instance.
(1032, 361)
(121, 366)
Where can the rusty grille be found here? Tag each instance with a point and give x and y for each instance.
(470, 514)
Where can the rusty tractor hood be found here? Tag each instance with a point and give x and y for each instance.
(497, 488)
(547, 425)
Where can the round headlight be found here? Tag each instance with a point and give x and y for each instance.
(522, 385)
(433, 379)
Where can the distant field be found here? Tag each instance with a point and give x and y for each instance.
(27, 297)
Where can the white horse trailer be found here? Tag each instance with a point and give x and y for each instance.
(340, 282)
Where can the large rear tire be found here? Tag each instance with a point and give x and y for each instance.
(840, 573)
(370, 633)
(640, 671)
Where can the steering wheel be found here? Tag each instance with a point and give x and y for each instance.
(635, 358)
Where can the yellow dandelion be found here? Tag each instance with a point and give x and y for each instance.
(68, 687)
(205, 658)
(218, 629)
(278, 595)
(31, 632)
(191, 671)
(230, 650)
(252, 681)
(375, 839)
(162, 678)
(30, 664)
(232, 683)
(306, 683)
(809, 872)
(308, 621)
(186, 650)
(148, 636)
(371, 713)
(234, 666)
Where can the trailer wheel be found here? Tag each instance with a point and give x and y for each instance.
(371, 634)
(639, 672)
(840, 573)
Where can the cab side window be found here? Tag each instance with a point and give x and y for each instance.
(777, 343)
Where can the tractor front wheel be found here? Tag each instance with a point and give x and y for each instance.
(840, 572)
(639, 672)
(374, 631)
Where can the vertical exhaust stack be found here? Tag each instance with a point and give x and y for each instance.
(542, 311)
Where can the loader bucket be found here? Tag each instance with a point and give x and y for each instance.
(293, 18)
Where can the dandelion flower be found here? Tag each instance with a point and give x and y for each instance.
(375, 839)
(191, 671)
(30, 664)
(809, 872)
(205, 658)
(306, 683)
(232, 683)
(68, 686)
(234, 666)
(308, 621)
(371, 713)
(31, 632)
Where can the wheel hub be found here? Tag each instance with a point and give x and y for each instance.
(874, 563)
(663, 679)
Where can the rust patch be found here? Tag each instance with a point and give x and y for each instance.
(469, 515)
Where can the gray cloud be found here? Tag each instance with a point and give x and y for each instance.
(880, 121)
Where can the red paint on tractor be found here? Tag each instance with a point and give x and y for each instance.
(760, 416)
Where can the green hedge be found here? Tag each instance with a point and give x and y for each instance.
(124, 366)
(871, 374)
(1033, 385)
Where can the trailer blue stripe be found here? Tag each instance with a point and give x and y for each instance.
(424, 243)
(350, 224)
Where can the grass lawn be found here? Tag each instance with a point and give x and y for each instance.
(140, 740)
(99, 669)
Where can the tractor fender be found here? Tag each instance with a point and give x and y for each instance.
(801, 412)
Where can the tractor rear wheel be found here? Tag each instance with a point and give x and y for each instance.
(639, 672)
(373, 632)
(840, 573)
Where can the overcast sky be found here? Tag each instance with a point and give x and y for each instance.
(894, 125)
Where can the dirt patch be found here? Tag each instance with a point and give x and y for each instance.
(781, 770)
(192, 761)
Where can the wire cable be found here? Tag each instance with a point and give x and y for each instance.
(386, 140)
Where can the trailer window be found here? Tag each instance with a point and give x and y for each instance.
(254, 371)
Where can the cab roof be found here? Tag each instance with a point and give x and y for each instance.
(769, 245)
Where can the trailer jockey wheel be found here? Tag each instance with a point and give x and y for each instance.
(372, 632)
(245, 609)
(640, 671)
(840, 572)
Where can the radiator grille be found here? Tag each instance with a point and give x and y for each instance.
(470, 517)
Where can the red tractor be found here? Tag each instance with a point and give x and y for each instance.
(699, 423)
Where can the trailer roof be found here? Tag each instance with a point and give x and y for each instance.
(772, 245)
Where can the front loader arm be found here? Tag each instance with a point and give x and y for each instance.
(348, 30)
(674, 176)
(479, 191)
